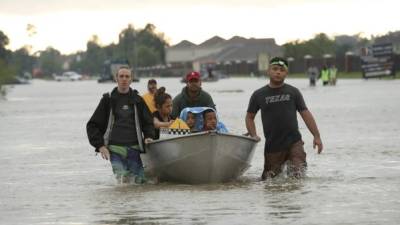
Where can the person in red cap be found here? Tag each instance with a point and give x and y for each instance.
(192, 95)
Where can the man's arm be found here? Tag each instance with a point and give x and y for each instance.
(251, 126)
(97, 125)
(312, 127)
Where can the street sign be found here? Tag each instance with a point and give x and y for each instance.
(377, 61)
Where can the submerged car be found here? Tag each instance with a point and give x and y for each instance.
(68, 76)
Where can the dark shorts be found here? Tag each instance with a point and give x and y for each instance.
(294, 156)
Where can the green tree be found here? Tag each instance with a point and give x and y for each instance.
(321, 44)
(148, 56)
(318, 46)
(149, 38)
(77, 62)
(4, 41)
(142, 47)
(22, 61)
(50, 61)
(296, 49)
(6, 71)
(94, 57)
(127, 45)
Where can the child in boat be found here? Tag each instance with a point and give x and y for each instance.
(199, 121)
(211, 121)
(162, 116)
(191, 121)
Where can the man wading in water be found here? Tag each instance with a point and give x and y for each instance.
(113, 132)
(279, 103)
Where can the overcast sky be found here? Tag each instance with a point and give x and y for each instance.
(68, 25)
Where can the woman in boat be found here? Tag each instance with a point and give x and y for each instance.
(200, 113)
(162, 116)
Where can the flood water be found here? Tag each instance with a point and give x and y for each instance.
(49, 173)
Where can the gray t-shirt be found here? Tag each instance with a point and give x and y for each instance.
(123, 131)
(278, 114)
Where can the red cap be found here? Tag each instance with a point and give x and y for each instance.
(192, 75)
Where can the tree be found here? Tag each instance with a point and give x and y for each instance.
(135, 44)
(144, 47)
(320, 45)
(296, 49)
(50, 61)
(6, 71)
(127, 45)
(4, 41)
(149, 38)
(94, 57)
(22, 61)
(148, 56)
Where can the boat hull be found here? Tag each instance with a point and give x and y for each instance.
(206, 157)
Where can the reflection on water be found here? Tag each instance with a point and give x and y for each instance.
(50, 174)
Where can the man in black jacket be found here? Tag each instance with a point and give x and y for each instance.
(117, 127)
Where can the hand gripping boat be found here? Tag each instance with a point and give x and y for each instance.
(204, 157)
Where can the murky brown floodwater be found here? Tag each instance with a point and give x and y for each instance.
(50, 175)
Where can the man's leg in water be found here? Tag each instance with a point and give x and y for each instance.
(119, 167)
(135, 166)
(297, 164)
(273, 163)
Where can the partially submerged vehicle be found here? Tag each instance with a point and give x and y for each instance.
(68, 76)
(110, 69)
(17, 80)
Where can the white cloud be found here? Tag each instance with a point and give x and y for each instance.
(69, 29)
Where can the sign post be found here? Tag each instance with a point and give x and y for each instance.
(377, 61)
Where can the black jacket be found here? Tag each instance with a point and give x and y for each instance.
(97, 125)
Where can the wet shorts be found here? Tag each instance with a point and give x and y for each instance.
(294, 155)
(127, 166)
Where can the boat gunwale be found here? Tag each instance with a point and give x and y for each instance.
(201, 134)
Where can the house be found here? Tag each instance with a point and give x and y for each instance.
(237, 55)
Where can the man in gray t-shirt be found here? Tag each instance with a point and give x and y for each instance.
(279, 104)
